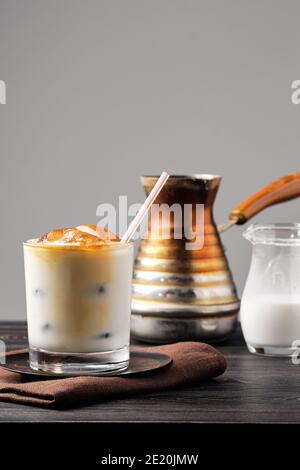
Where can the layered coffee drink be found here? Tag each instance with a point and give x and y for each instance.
(78, 293)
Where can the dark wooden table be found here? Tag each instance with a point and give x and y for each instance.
(254, 393)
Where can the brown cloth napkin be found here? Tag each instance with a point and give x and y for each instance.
(192, 362)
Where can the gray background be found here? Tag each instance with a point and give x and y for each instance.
(100, 92)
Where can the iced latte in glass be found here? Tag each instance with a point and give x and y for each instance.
(78, 294)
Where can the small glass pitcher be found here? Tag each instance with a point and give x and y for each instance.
(270, 306)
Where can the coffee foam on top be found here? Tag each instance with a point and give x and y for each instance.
(81, 235)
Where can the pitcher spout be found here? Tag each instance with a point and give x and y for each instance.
(249, 234)
(185, 188)
(274, 234)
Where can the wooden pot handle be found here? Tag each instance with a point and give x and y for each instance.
(283, 189)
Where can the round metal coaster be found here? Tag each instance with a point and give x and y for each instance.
(140, 363)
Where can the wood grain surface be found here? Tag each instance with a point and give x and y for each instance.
(252, 390)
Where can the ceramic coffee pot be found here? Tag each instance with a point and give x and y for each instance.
(181, 294)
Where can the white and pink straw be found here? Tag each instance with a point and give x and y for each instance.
(145, 207)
